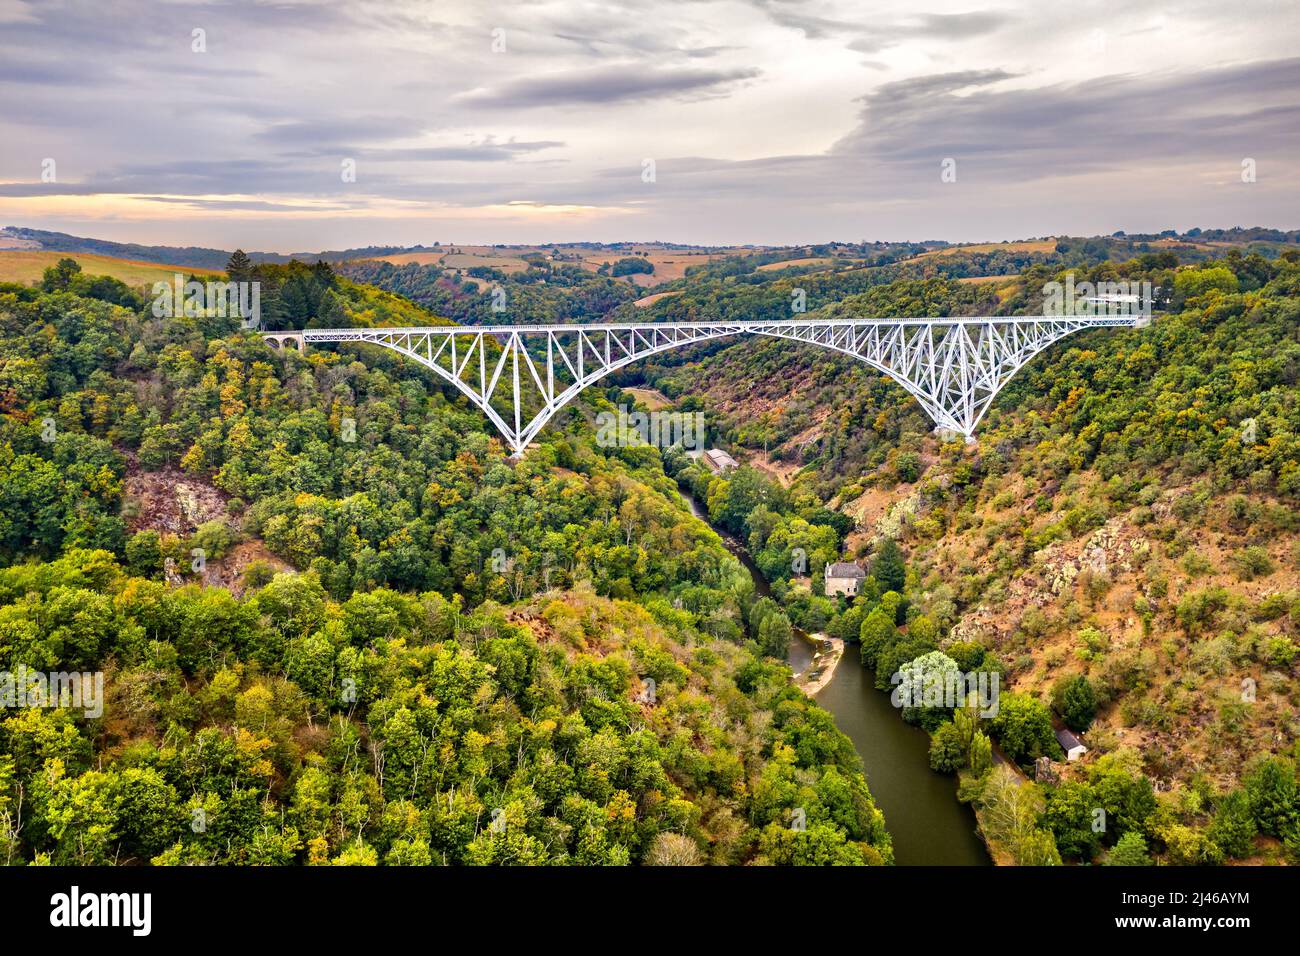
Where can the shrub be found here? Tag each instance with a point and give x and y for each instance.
(214, 537)
(144, 553)
(908, 467)
(1252, 562)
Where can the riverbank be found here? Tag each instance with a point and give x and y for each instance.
(928, 824)
(827, 652)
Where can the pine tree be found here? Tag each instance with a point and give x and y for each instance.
(889, 568)
(1131, 850)
(332, 314)
(240, 267)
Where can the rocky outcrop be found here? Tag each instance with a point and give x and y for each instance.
(1114, 548)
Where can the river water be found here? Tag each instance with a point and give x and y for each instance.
(928, 824)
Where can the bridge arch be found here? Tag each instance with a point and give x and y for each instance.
(953, 367)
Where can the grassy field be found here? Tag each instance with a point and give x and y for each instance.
(27, 266)
(651, 398)
(1033, 245)
(648, 300)
(457, 260)
(796, 263)
(669, 263)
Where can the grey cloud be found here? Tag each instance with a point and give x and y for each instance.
(250, 205)
(957, 26)
(339, 129)
(287, 91)
(201, 177)
(487, 152)
(24, 190)
(595, 44)
(929, 27)
(611, 84)
(14, 69)
(793, 14)
(1018, 134)
(1006, 140)
(477, 153)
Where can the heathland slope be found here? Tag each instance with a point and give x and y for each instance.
(1121, 544)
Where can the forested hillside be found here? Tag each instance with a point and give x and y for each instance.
(337, 624)
(1121, 546)
(418, 652)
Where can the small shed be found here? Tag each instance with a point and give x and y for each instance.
(1072, 745)
(844, 577)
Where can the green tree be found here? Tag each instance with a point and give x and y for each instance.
(946, 753)
(144, 552)
(877, 634)
(1124, 792)
(774, 635)
(239, 268)
(1129, 850)
(1274, 796)
(928, 688)
(1076, 701)
(1070, 814)
(58, 277)
(888, 567)
(1233, 828)
(1023, 726)
(981, 753)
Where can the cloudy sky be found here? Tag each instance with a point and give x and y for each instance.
(767, 121)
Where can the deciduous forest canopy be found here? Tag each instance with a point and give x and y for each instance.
(338, 625)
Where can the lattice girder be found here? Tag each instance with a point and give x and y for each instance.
(521, 376)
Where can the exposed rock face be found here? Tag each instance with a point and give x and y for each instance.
(1114, 548)
(892, 523)
(172, 501)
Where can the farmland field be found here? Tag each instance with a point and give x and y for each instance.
(649, 300)
(793, 263)
(1031, 245)
(25, 266)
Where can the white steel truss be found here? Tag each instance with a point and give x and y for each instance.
(521, 375)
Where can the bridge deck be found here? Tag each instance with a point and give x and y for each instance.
(322, 335)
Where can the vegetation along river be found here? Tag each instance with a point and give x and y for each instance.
(929, 826)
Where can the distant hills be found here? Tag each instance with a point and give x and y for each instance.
(1267, 241)
(198, 257)
(201, 257)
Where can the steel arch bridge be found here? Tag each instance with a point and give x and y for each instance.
(520, 376)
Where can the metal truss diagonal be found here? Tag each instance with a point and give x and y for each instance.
(520, 376)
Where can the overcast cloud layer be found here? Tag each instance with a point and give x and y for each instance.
(768, 121)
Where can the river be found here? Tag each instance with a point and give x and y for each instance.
(928, 824)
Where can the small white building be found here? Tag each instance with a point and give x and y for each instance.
(844, 578)
(1072, 745)
(718, 461)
